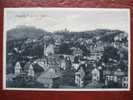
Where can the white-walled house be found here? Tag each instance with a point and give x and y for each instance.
(63, 64)
(75, 66)
(125, 81)
(117, 76)
(18, 69)
(95, 74)
(79, 75)
(49, 49)
(31, 71)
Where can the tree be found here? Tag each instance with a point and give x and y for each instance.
(110, 54)
(65, 49)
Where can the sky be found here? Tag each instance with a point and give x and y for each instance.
(73, 19)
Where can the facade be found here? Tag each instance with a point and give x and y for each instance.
(63, 64)
(125, 82)
(17, 69)
(79, 75)
(95, 75)
(49, 49)
(117, 77)
(31, 71)
(77, 52)
(75, 66)
(42, 63)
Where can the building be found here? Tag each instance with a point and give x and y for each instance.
(63, 64)
(96, 52)
(125, 82)
(58, 39)
(18, 69)
(42, 63)
(121, 40)
(110, 78)
(77, 52)
(95, 75)
(117, 76)
(68, 57)
(49, 49)
(31, 71)
(95, 56)
(79, 75)
(75, 66)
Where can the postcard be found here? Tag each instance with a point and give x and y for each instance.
(66, 49)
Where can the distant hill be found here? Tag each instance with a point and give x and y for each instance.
(25, 32)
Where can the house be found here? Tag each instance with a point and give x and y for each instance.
(63, 64)
(69, 57)
(75, 66)
(18, 69)
(109, 78)
(98, 47)
(31, 71)
(79, 75)
(116, 77)
(89, 41)
(77, 52)
(48, 50)
(96, 52)
(121, 41)
(120, 36)
(28, 41)
(42, 63)
(119, 74)
(95, 75)
(58, 39)
(125, 81)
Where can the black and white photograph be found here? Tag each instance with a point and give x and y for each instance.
(69, 49)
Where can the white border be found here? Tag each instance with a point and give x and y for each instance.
(68, 89)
